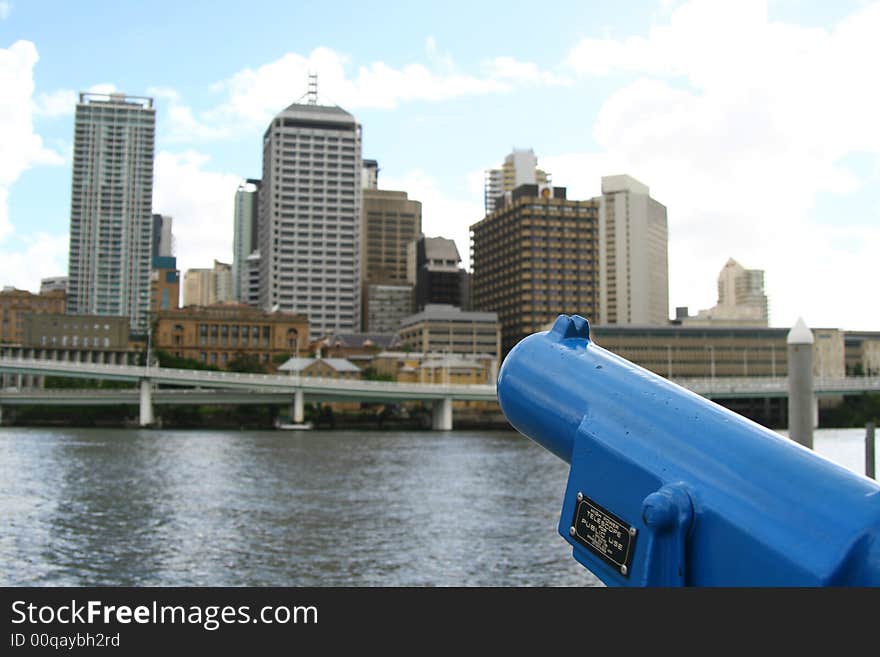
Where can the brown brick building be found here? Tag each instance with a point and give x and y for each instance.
(224, 332)
(15, 304)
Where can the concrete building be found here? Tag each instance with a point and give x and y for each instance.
(633, 262)
(163, 238)
(251, 291)
(65, 331)
(446, 329)
(534, 258)
(385, 306)
(390, 222)
(309, 216)
(15, 305)
(164, 284)
(224, 332)
(519, 168)
(53, 284)
(111, 207)
(205, 287)
(369, 174)
(741, 299)
(244, 240)
(435, 265)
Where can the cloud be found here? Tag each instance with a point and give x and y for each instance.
(20, 147)
(252, 96)
(55, 104)
(739, 124)
(17, 264)
(201, 203)
(443, 213)
(5, 9)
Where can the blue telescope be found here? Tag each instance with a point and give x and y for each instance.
(669, 489)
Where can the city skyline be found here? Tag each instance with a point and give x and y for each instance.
(750, 161)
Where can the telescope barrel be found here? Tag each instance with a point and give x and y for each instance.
(668, 488)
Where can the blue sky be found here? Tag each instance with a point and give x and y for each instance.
(753, 122)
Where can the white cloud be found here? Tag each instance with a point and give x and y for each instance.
(5, 9)
(443, 214)
(17, 265)
(61, 102)
(252, 96)
(201, 203)
(738, 124)
(20, 147)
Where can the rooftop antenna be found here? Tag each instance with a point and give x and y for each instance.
(313, 89)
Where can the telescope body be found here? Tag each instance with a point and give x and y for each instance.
(667, 488)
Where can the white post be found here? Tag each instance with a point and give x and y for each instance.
(802, 407)
(146, 407)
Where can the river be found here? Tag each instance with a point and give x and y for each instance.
(111, 507)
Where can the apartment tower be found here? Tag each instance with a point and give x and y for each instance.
(111, 207)
(633, 265)
(519, 168)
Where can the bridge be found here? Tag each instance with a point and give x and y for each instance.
(220, 387)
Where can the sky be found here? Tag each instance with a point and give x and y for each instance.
(754, 122)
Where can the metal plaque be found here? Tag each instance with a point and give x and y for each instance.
(604, 534)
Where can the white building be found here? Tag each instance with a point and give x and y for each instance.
(633, 254)
(111, 207)
(741, 299)
(519, 168)
(309, 216)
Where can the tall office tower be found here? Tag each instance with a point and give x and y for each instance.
(370, 174)
(309, 216)
(535, 258)
(741, 299)
(519, 168)
(390, 221)
(111, 207)
(244, 240)
(435, 265)
(633, 263)
(163, 240)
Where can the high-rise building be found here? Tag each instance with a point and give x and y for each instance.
(163, 240)
(309, 216)
(435, 265)
(633, 263)
(244, 241)
(741, 299)
(534, 258)
(390, 221)
(204, 287)
(111, 207)
(251, 290)
(164, 284)
(370, 174)
(519, 168)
